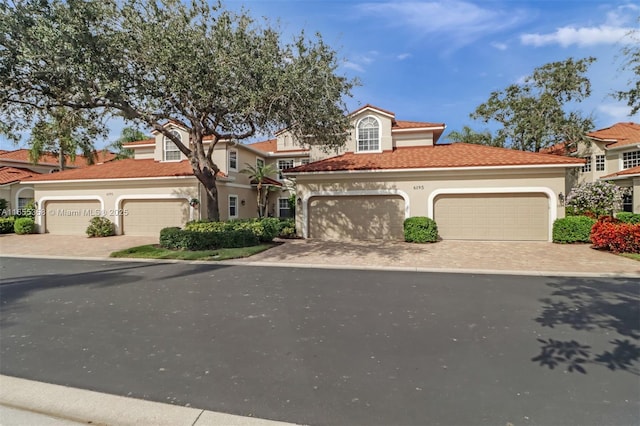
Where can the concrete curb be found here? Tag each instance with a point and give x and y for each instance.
(564, 274)
(83, 406)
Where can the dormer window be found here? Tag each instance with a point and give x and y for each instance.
(171, 151)
(368, 134)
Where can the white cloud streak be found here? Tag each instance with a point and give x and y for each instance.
(585, 36)
(458, 22)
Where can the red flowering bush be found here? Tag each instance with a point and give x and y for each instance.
(613, 235)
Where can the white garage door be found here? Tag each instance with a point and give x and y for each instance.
(69, 217)
(148, 217)
(502, 217)
(356, 218)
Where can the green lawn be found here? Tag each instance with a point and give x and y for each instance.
(634, 256)
(156, 252)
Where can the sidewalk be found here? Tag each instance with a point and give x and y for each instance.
(25, 402)
(503, 257)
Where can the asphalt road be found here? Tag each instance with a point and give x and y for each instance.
(318, 346)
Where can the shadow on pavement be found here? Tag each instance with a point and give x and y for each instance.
(592, 305)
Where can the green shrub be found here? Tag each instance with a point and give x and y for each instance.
(29, 210)
(420, 229)
(6, 225)
(3, 206)
(265, 229)
(24, 225)
(287, 228)
(573, 229)
(628, 217)
(100, 227)
(183, 239)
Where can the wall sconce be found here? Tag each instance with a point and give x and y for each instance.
(561, 198)
(299, 202)
(243, 202)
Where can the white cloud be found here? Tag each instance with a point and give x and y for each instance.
(622, 15)
(499, 46)
(459, 22)
(353, 66)
(403, 56)
(617, 112)
(584, 36)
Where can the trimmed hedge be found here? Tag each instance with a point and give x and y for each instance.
(182, 239)
(420, 229)
(615, 236)
(24, 225)
(7, 224)
(573, 229)
(266, 229)
(100, 227)
(627, 217)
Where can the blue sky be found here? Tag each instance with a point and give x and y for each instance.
(438, 60)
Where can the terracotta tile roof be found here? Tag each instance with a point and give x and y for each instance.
(266, 146)
(619, 134)
(123, 169)
(374, 107)
(625, 172)
(14, 174)
(557, 149)
(435, 156)
(142, 142)
(22, 156)
(402, 124)
(267, 181)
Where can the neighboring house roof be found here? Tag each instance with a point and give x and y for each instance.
(369, 106)
(620, 134)
(14, 174)
(557, 149)
(435, 156)
(267, 181)
(22, 156)
(150, 141)
(633, 171)
(122, 169)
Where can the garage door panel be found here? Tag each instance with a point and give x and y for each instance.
(148, 217)
(506, 217)
(69, 217)
(356, 218)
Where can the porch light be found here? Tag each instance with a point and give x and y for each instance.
(561, 198)
(299, 201)
(243, 202)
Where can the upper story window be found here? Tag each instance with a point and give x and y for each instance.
(587, 166)
(599, 163)
(233, 160)
(630, 159)
(259, 163)
(285, 164)
(171, 151)
(368, 134)
(304, 161)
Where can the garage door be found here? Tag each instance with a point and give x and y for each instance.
(356, 218)
(148, 217)
(69, 217)
(503, 217)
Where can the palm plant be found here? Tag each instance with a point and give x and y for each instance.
(260, 174)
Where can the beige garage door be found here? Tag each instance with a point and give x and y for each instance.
(148, 217)
(502, 217)
(356, 218)
(69, 217)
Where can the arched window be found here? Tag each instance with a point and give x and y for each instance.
(171, 151)
(368, 134)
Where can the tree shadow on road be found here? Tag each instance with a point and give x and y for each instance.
(612, 306)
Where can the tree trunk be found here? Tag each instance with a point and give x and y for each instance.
(208, 181)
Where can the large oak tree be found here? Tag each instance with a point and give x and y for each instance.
(218, 74)
(533, 114)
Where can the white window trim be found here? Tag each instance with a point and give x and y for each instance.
(292, 160)
(288, 207)
(357, 150)
(307, 197)
(553, 207)
(20, 191)
(604, 163)
(229, 206)
(164, 148)
(621, 159)
(232, 169)
(588, 163)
